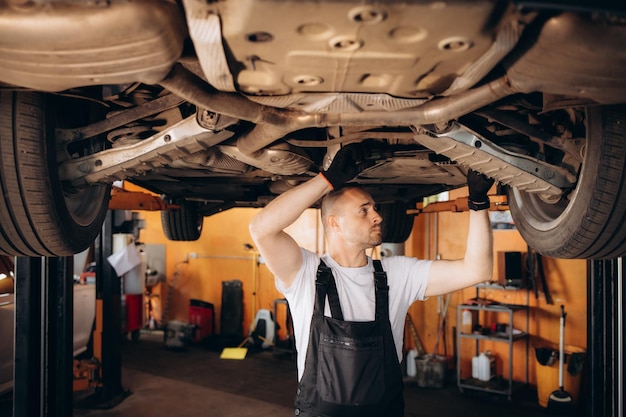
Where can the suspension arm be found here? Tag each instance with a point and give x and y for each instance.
(468, 148)
(183, 139)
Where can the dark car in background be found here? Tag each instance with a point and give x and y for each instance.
(221, 104)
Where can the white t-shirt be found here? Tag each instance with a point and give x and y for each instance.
(407, 278)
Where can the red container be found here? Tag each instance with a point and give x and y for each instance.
(201, 315)
(134, 312)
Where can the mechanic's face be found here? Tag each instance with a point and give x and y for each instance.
(359, 219)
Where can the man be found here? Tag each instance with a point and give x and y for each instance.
(348, 320)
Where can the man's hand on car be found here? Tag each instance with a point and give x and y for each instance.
(478, 185)
(349, 161)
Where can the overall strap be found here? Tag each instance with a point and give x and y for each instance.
(325, 284)
(382, 291)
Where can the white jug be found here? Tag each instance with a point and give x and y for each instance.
(486, 366)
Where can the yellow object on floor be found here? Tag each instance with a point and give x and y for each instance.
(238, 352)
(234, 353)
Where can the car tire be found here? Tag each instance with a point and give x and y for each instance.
(397, 225)
(588, 223)
(182, 224)
(38, 215)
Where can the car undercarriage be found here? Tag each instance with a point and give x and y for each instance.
(215, 105)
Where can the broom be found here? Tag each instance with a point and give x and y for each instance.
(560, 401)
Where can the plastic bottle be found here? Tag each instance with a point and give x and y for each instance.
(486, 365)
(411, 368)
(482, 364)
(466, 322)
(491, 369)
(475, 368)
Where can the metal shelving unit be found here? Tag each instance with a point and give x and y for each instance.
(497, 385)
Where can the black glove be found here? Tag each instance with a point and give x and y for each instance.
(348, 162)
(479, 185)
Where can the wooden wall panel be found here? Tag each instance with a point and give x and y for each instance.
(220, 257)
(566, 281)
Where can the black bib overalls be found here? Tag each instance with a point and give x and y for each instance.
(351, 368)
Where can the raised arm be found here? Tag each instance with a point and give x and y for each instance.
(477, 264)
(280, 252)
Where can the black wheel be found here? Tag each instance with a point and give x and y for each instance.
(183, 224)
(39, 216)
(396, 225)
(588, 222)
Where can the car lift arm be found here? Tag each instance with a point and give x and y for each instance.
(122, 199)
(498, 203)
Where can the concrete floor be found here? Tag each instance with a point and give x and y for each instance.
(196, 382)
(154, 395)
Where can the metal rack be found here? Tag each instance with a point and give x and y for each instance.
(497, 385)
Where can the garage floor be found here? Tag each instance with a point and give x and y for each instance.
(196, 382)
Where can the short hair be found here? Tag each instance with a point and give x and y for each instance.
(329, 200)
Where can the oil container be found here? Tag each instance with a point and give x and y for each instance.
(486, 366)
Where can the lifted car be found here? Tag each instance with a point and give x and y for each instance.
(221, 104)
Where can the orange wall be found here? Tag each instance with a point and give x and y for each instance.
(222, 245)
(221, 256)
(566, 281)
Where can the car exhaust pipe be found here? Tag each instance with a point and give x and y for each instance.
(274, 123)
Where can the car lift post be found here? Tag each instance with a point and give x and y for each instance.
(107, 335)
(606, 361)
(43, 337)
(44, 333)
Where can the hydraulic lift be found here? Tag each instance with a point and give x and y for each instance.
(498, 203)
(87, 372)
(43, 363)
(122, 199)
(42, 384)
